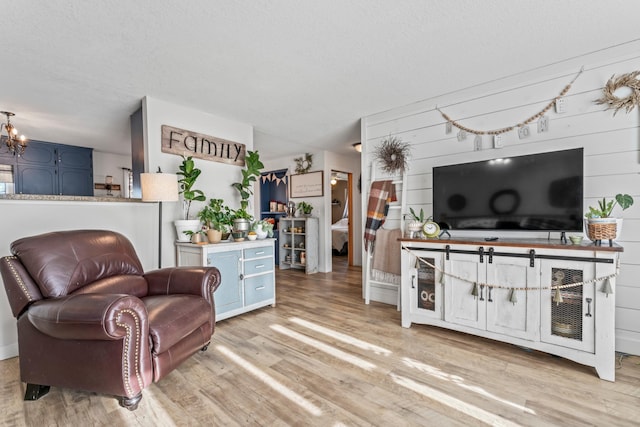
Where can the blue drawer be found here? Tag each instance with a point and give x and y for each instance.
(256, 266)
(258, 252)
(258, 289)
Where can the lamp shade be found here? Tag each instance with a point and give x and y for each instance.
(159, 187)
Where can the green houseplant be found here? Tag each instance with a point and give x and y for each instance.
(600, 224)
(219, 218)
(605, 207)
(305, 208)
(188, 176)
(250, 175)
(414, 227)
(263, 228)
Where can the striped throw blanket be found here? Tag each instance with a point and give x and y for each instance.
(380, 196)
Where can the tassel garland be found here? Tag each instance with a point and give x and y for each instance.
(606, 288)
(557, 297)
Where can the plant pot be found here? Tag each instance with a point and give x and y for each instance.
(198, 238)
(262, 234)
(183, 225)
(214, 236)
(599, 229)
(241, 225)
(414, 229)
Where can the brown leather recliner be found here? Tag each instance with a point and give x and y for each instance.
(89, 318)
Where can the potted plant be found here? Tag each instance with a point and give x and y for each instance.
(250, 175)
(241, 220)
(415, 225)
(263, 228)
(600, 224)
(218, 217)
(198, 237)
(305, 208)
(189, 174)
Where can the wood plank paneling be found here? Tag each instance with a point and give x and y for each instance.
(611, 142)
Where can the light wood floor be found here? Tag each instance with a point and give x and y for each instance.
(322, 357)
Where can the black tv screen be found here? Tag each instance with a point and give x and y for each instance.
(534, 192)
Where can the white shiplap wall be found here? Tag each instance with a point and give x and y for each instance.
(611, 146)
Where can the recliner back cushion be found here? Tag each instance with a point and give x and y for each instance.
(62, 262)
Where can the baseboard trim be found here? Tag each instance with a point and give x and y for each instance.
(9, 351)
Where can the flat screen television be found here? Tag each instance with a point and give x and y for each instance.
(537, 192)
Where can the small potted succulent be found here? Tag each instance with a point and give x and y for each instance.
(414, 227)
(305, 208)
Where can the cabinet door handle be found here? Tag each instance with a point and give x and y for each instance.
(489, 294)
(481, 292)
(413, 281)
(588, 307)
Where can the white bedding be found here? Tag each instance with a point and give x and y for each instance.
(339, 233)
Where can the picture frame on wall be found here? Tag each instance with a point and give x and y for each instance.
(306, 185)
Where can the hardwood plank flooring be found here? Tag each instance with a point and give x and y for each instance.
(322, 357)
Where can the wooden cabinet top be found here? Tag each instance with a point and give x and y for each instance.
(586, 245)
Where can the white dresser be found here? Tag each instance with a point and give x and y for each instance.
(506, 291)
(247, 272)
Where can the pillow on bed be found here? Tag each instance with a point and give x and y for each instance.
(342, 222)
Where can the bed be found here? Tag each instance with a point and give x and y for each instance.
(340, 235)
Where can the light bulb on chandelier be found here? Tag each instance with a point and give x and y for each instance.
(16, 144)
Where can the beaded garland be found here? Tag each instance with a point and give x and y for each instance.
(518, 125)
(490, 285)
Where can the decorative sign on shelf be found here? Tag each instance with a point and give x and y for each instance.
(184, 142)
(306, 185)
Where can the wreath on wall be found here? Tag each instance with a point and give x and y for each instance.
(609, 98)
(303, 164)
(393, 154)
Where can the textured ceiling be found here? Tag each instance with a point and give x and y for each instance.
(301, 72)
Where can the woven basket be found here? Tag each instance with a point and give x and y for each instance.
(601, 230)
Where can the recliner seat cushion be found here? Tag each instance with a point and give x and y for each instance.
(173, 317)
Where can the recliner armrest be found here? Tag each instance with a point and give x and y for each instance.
(202, 281)
(90, 317)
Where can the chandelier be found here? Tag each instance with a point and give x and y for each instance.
(15, 143)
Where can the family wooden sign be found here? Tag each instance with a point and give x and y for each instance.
(184, 142)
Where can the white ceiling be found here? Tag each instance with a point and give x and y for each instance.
(302, 72)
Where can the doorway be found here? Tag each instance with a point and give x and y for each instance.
(341, 215)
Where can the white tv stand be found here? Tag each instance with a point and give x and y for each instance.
(443, 296)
